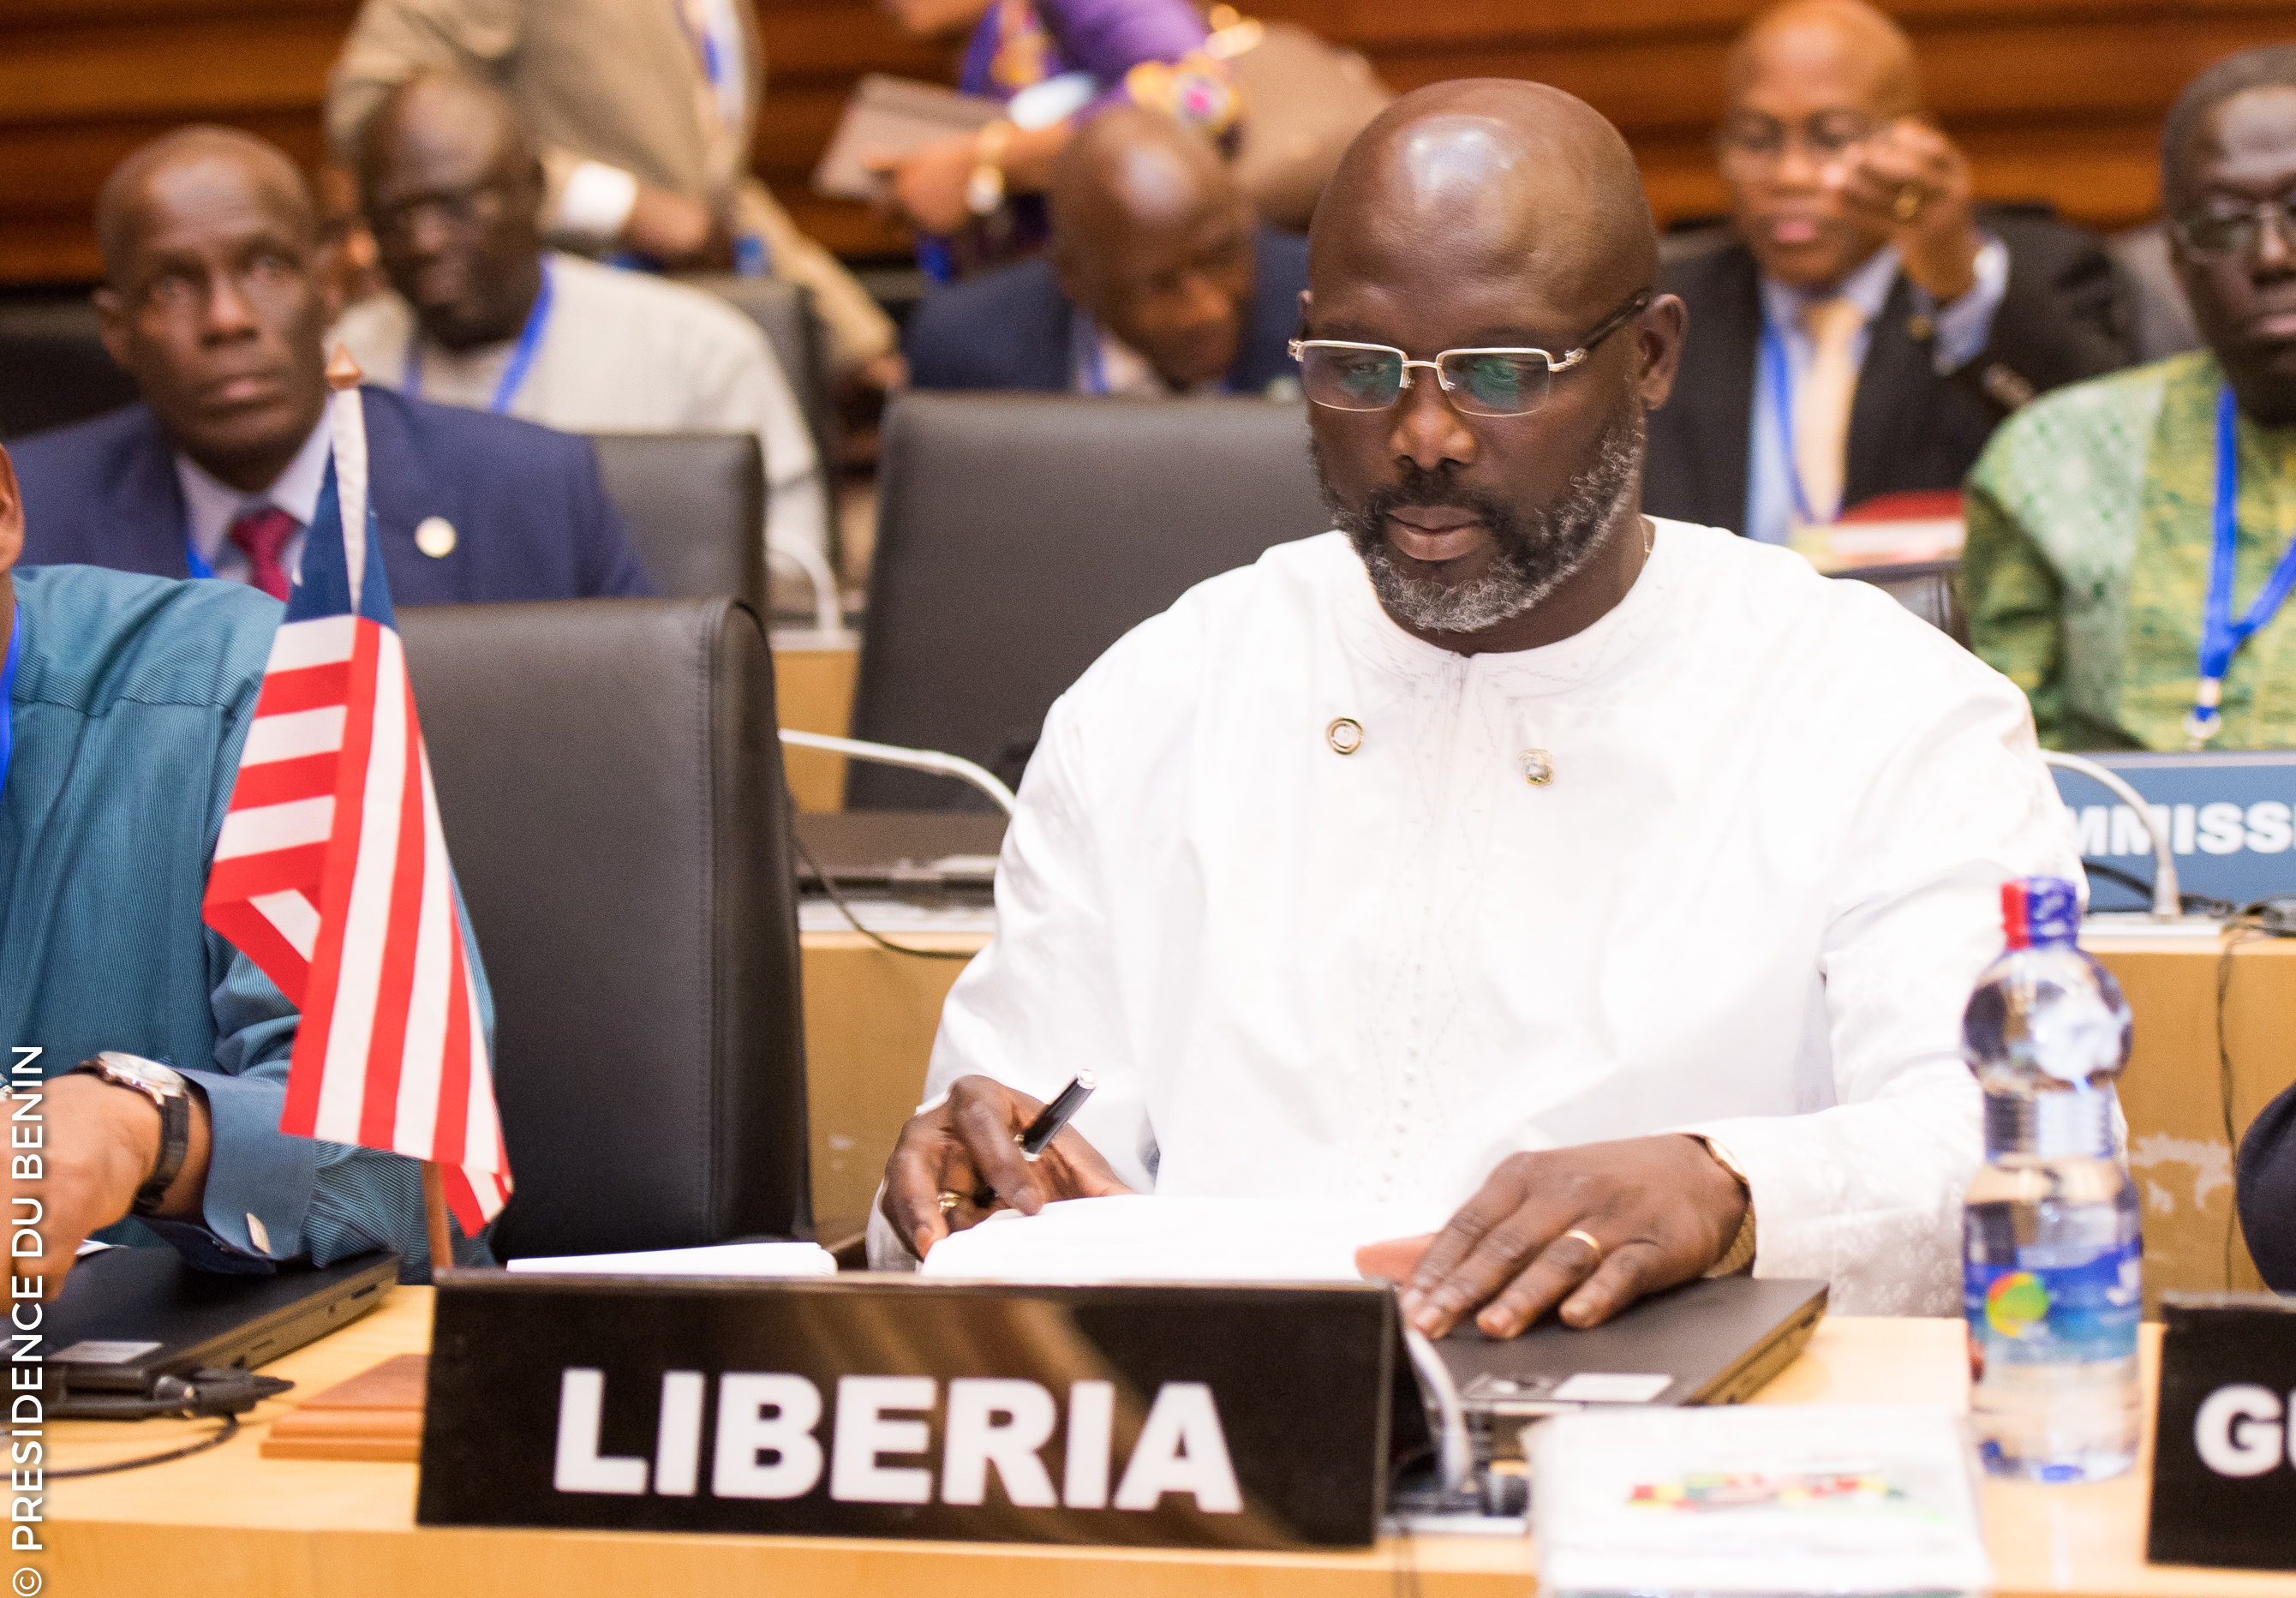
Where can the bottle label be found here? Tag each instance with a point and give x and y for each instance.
(2043, 1309)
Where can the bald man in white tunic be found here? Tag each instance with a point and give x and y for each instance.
(1603, 889)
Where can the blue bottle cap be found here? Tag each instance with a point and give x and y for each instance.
(2052, 911)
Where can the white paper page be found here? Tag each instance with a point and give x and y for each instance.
(1762, 1499)
(721, 1259)
(1137, 1237)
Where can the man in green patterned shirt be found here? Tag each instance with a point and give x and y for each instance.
(2091, 513)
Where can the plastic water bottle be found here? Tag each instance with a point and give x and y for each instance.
(2051, 1254)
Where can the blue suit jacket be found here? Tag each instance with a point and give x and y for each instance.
(1012, 329)
(531, 519)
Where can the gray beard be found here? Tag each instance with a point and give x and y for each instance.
(1539, 550)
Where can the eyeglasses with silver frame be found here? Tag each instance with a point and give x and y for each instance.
(1340, 375)
(2224, 226)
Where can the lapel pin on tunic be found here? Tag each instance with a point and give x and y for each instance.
(1345, 735)
(434, 536)
(1537, 768)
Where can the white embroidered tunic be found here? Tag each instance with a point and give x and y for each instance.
(1752, 899)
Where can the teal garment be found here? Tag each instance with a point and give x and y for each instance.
(132, 698)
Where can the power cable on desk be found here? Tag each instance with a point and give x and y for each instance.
(829, 886)
(2190, 904)
(226, 1393)
(217, 1439)
(2249, 927)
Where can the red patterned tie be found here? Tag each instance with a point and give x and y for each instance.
(260, 536)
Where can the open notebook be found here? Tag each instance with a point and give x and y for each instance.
(1140, 1238)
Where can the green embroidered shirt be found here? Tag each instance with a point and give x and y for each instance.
(2090, 535)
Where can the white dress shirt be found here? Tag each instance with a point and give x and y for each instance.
(623, 353)
(1752, 900)
(210, 506)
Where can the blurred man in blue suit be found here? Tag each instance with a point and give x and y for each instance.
(215, 304)
(1158, 282)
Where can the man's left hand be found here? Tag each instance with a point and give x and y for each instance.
(1910, 180)
(1663, 1210)
(925, 188)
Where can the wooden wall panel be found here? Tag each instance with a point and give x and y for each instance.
(2058, 100)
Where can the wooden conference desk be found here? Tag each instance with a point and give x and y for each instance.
(870, 1018)
(230, 1524)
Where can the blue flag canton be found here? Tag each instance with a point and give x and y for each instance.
(325, 587)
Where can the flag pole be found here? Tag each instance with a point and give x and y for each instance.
(434, 1216)
(343, 377)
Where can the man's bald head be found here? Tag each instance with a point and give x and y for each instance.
(124, 207)
(1140, 165)
(1152, 236)
(450, 110)
(1504, 173)
(454, 190)
(1847, 37)
(1504, 221)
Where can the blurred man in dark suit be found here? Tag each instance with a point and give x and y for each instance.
(216, 300)
(2265, 1188)
(1158, 282)
(1866, 325)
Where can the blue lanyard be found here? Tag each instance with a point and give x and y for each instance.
(2220, 635)
(7, 691)
(1092, 369)
(1774, 361)
(529, 340)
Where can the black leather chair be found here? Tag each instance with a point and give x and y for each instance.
(611, 786)
(1019, 536)
(1930, 589)
(53, 370)
(696, 506)
(783, 313)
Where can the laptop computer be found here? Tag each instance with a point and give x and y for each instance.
(1713, 1341)
(932, 854)
(128, 1315)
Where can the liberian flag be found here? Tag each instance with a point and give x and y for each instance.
(331, 875)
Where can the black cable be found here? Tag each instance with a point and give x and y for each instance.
(2191, 903)
(837, 898)
(2247, 931)
(217, 1439)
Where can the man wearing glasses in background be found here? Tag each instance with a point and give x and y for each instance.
(1861, 327)
(1600, 891)
(2130, 539)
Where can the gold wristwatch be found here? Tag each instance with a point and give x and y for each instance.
(1740, 1254)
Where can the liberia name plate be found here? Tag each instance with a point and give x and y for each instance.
(1214, 1416)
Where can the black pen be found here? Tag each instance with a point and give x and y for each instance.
(1039, 1133)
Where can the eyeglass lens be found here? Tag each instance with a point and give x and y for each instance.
(2236, 229)
(1479, 383)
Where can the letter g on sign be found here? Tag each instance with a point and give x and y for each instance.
(2238, 1429)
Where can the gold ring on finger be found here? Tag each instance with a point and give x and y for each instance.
(949, 1200)
(1588, 1239)
(1909, 202)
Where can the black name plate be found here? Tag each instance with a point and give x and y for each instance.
(2223, 1442)
(1234, 1417)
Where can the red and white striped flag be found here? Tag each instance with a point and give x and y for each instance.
(332, 875)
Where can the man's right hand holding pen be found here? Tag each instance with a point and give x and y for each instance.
(967, 1150)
